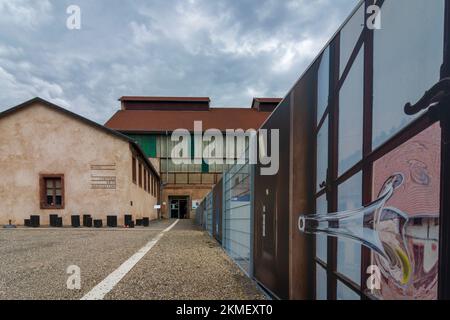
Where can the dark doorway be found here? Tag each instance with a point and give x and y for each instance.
(179, 207)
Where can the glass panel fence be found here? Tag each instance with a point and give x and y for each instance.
(209, 213)
(237, 215)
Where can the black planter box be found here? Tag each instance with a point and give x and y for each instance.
(59, 222)
(138, 222)
(128, 219)
(35, 221)
(75, 221)
(146, 222)
(111, 221)
(53, 220)
(86, 218)
(27, 223)
(131, 225)
(88, 222)
(98, 223)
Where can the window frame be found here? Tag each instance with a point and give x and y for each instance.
(145, 178)
(43, 191)
(140, 173)
(134, 169)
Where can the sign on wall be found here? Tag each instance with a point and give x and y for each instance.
(195, 204)
(103, 176)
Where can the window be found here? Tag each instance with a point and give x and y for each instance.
(52, 191)
(169, 178)
(195, 178)
(321, 283)
(322, 155)
(145, 179)
(323, 86)
(349, 36)
(351, 100)
(140, 175)
(344, 293)
(349, 252)
(410, 56)
(321, 240)
(133, 164)
(152, 185)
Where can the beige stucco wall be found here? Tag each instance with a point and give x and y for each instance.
(39, 140)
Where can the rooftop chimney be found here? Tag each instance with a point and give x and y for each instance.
(266, 104)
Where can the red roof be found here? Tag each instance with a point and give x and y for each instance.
(165, 99)
(161, 121)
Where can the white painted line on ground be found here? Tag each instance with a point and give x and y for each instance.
(102, 289)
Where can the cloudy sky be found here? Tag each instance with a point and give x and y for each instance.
(229, 50)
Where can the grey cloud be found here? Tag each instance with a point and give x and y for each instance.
(228, 50)
(25, 14)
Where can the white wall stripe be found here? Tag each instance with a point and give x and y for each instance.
(101, 290)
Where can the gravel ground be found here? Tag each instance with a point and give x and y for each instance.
(186, 264)
(33, 262)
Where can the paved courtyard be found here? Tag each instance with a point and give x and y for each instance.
(184, 264)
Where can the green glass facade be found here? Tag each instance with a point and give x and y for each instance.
(159, 146)
(148, 143)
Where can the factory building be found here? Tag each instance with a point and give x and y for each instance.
(150, 121)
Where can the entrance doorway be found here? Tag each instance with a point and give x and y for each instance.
(179, 207)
